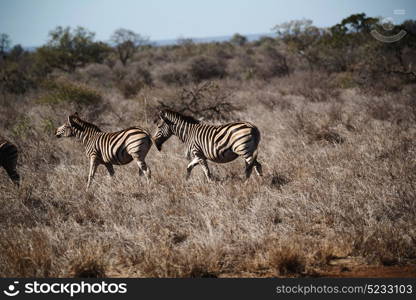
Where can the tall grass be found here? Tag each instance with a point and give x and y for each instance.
(319, 198)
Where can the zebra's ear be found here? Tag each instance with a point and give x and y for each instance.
(162, 115)
(71, 119)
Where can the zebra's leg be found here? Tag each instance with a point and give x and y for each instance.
(250, 162)
(143, 168)
(249, 169)
(93, 168)
(188, 154)
(10, 168)
(190, 166)
(204, 165)
(258, 167)
(198, 159)
(110, 169)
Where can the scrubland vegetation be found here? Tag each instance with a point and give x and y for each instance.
(337, 112)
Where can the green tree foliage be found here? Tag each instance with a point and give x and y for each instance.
(5, 43)
(358, 23)
(350, 47)
(203, 67)
(69, 49)
(298, 34)
(16, 53)
(66, 91)
(238, 39)
(20, 71)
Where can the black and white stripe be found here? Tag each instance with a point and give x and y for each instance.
(8, 159)
(109, 148)
(217, 143)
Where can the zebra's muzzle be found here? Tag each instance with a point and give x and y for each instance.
(158, 144)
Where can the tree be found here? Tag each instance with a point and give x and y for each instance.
(4, 44)
(238, 39)
(16, 52)
(126, 43)
(359, 23)
(300, 37)
(68, 49)
(298, 34)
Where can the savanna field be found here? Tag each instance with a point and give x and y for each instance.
(338, 149)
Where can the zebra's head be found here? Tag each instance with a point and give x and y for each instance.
(163, 132)
(76, 127)
(67, 129)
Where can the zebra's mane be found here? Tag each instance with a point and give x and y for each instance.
(84, 124)
(173, 116)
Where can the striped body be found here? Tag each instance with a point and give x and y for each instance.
(8, 159)
(217, 143)
(109, 148)
(118, 148)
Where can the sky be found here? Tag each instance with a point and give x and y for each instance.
(28, 22)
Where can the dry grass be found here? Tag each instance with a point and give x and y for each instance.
(319, 198)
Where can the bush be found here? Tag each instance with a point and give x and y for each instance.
(172, 74)
(344, 80)
(97, 73)
(316, 88)
(129, 84)
(14, 80)
(241, 67)
(21, 72)
(270, 63)
(63, 90)
(130, 87)
(203, 67)
(204, 100)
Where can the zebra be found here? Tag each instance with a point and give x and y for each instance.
(8, 159)
(109, 148)
(217, 143)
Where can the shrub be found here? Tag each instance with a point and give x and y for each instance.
(63, 90)
(97, 73)
(316, 88)
(172, 74)
(265, 40)
(288, 261)
(219, 51)
(205, 100)
(22, 126)
(241, 67)
(203, 67)
(129, 87)
(144, 76)
(14, 79)
(21, 72)
(344, 80)
(270, 63)
(131, 83)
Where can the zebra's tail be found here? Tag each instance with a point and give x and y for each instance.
(256, 139)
